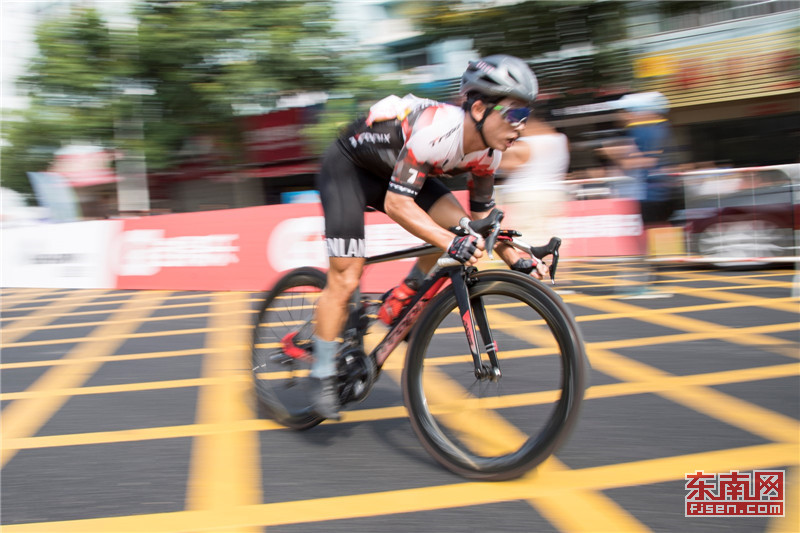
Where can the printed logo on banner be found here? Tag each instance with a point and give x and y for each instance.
(599, 226)
(757, 493)
(146, 251)
(299, 242)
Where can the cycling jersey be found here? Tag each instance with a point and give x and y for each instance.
(408, 139)
(403, 146)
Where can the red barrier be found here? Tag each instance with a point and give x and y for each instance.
(248, 249)
(598, 228)
(243, 249)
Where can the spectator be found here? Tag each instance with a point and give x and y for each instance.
(533, 190)
(641, 156)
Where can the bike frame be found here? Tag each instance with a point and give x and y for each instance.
(458, 275)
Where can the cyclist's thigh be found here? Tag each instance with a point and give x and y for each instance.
(343, 201)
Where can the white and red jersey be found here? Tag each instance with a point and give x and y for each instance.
(407, 139)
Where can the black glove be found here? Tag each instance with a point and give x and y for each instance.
(525, 266)
(463, 248)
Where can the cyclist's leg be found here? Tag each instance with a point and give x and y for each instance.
(344, 274)
(344, 197)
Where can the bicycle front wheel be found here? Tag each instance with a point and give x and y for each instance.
(495, 429)
(280, 379)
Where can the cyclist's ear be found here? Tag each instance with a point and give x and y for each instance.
(478, 110)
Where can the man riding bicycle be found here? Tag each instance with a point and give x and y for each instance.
(390, 161)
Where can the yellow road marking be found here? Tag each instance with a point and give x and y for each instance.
(789, 304)
(37, 320)
(105, 358)
(744, 415)
(536, 486)
(133, 435)
(49, 316)
(754, 280)
(53, 303)
(118, 337)
(225, 470)
(127, 387)
(790, 522)
(256, 514)
(385, 413)
(692, 325)
(54, 307)
(738, 304)
(686, 337)
(486, 432)
(24, 418)
(9, 303)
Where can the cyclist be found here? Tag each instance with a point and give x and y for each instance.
(391, 161)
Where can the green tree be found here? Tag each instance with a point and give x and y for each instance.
(189, 68)
(533, 28)
(69, 84)
(207, 60)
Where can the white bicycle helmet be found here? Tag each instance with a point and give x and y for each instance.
(501, 76)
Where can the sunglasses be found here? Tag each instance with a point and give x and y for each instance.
(515, 116)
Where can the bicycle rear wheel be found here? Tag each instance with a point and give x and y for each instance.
(496, 430)
(280, 380)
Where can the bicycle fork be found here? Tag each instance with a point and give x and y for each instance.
(473, 311)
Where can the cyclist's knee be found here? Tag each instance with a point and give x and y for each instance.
(344, 276)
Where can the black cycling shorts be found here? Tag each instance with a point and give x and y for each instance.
(346, 190)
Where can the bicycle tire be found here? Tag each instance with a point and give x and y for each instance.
(280, 383)
(452, 432)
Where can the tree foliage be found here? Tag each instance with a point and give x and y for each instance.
(524, 29)
(70, 86)
(188, 68)
(533, 29)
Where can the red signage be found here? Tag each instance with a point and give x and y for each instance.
(601, 228)
(244, 249)
(278, 136)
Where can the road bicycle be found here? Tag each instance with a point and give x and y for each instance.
(495, 365)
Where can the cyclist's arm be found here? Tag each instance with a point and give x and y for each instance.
(407, 180)
(481, 203)
(403, 210)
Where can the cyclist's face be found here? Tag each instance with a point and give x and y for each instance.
(504, 123)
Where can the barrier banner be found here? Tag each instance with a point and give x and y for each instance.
(243, 249)
(599, 228)
(75, 255)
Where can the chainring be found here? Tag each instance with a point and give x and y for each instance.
(357, 373)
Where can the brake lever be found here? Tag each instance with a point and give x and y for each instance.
(551, 248)
(491, 239)
(554, 266)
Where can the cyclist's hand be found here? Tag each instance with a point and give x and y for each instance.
(465, 249)
(542, 270)
(538, 270)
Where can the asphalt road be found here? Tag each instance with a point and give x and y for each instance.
(132, 411)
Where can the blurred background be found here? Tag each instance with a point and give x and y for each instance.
(135, 108)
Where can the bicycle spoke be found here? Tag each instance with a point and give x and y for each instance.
(279, 377)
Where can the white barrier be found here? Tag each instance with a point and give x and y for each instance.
(73, 255)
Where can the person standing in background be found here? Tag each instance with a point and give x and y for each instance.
(642, 156)
(533, 190)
